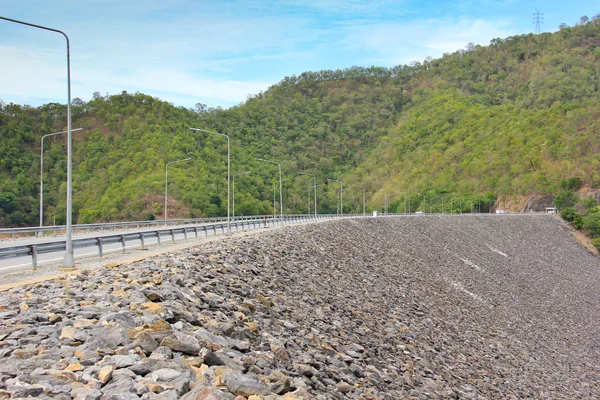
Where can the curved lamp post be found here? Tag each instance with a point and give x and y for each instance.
(69, 259)
(341, 189)
(431, 205)
(228, 172)
(411, 196)
(233, 188)
(280, 186)
(385, 201)
(315, 187)
(274, 198)
(167, 180)
(404, 193)
(364, 198)
(452, 202)
(42, 171)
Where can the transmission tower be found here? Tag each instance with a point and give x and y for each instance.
(538, 20)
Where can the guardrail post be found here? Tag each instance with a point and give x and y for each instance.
(158, 237)
(142, 241)
(172, 235)
(100, 247)
(34, 257)
(184, 233)
(196, 232)
(123, 242)
(215, 229)
(205, 231)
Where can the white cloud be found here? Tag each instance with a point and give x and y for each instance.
(218, 52)
(33, 75)
(400, 43)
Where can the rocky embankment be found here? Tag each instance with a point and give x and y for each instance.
(473, 307)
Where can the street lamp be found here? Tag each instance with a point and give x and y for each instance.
(167, 180)
(69, 259)
(274, 201)
(315, 187)
(280, 186)
(452, 202)
(341, 189)
(233, 188)
(364, 199)
(385, 201)
(410, 197)
(404, 193)
(228, 172)
(42, 172)
(431, 205)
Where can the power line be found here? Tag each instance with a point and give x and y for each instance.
(538, 20)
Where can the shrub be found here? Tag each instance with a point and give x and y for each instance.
(565, 199)
(568, 214)
(577, 221)
(591, 223)
(590, 204)
(571, 184)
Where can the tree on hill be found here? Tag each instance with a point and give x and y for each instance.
(517, 117)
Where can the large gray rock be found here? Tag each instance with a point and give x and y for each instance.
(243, 385)
(24, 390)
(165, 374)
(182, 342)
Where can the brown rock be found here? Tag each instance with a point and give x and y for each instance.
(105, 373)
(252, 326)
(68, 332)
(54, 318)
(154, 308)
(75, 367)
(84, 323)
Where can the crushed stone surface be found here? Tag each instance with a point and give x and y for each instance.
(433, 307)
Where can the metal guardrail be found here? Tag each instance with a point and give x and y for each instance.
(214, 229)
(37, 230)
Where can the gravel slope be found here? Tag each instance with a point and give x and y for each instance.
(480, 307)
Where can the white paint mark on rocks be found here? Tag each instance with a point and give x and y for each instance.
(459, 286)
(471, 264)
(497, 251)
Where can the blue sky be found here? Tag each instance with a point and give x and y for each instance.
(219, 52)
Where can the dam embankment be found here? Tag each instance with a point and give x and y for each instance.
(479, 307)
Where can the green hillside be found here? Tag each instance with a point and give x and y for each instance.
(517, 117)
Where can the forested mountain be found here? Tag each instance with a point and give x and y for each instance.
(517, 117)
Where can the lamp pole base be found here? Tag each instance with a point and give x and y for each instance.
(68, 262)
